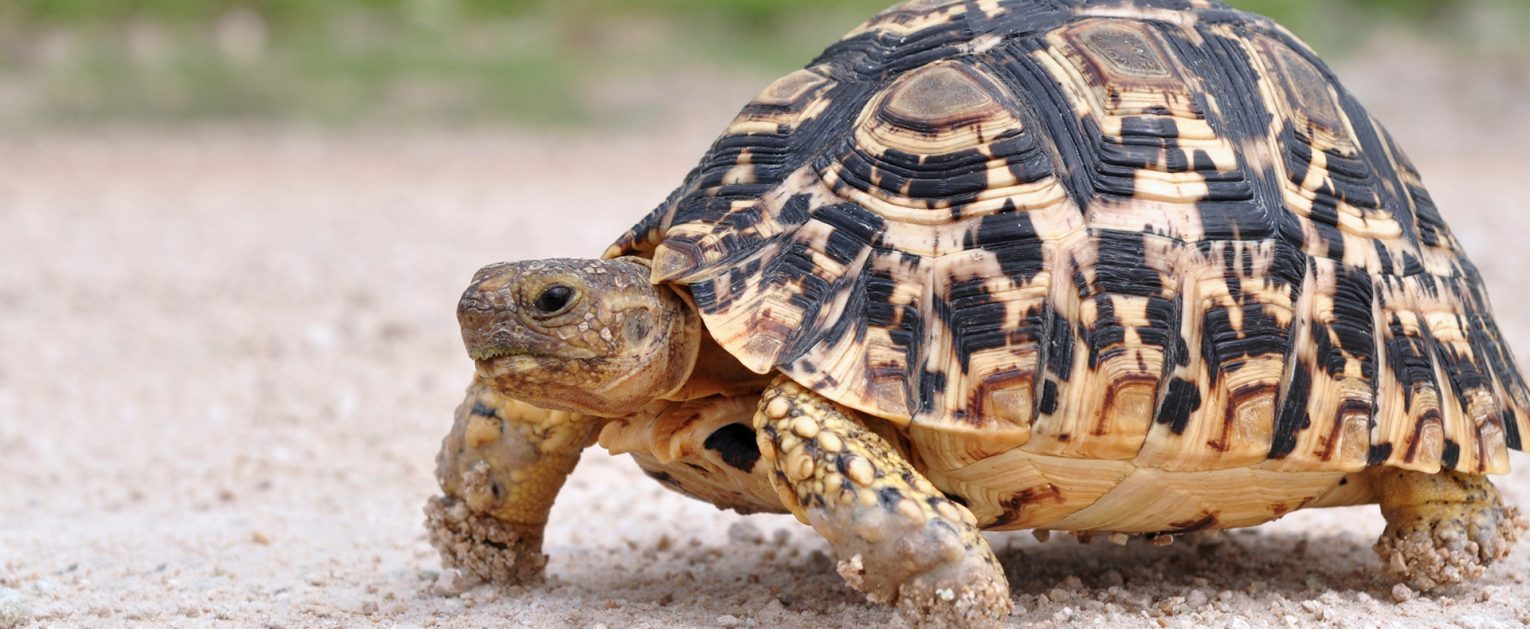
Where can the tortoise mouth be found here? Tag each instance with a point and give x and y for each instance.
(491, 353)
(511, 366)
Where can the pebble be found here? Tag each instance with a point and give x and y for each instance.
(745, 532)
(728, 620)
(1197, 599)
(453, 583)
(14, 610)
(1402, 593)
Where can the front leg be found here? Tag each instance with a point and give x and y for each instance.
(897, 538)
(501, 467)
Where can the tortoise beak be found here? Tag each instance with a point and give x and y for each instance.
(487, 314)
(492, 321)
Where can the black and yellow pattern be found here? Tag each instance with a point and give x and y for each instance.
(1152, 231)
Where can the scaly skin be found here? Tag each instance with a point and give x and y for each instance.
(588, 339)
(1442, 529)
(501, 467)
(897, 537)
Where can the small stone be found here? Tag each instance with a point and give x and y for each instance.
(14, 610)
(1197, 599)
(1163, 540)
(369, 608)
(260, 538)
(1041, 535)
(728, 620)
(1119, 539)
(453, 583)
(745, 532)
(1401, 593)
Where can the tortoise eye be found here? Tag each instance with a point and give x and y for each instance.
(554, 300)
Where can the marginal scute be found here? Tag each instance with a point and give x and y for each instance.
(1240, 300)
(1106, 376)
(1329, 395)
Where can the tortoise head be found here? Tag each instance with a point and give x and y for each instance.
(586, 336)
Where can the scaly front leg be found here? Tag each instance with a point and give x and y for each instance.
(898, 539)
(501, 467)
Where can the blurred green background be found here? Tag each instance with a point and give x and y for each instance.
(536, 62)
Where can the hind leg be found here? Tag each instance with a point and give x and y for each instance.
(1442, 529)
(897, 538)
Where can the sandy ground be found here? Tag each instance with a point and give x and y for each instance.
(227, 358)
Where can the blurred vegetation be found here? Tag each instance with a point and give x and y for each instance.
(534, 61)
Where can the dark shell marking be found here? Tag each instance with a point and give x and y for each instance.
(1156, 230)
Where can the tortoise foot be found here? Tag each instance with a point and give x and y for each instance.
(899, 540)
(484, 546)
(971, 592)
(1443, 529)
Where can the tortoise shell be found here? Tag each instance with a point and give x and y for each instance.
(1146, 235)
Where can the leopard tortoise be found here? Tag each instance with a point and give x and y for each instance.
(1120, 267)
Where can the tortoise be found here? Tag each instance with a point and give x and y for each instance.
(1116, 267)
